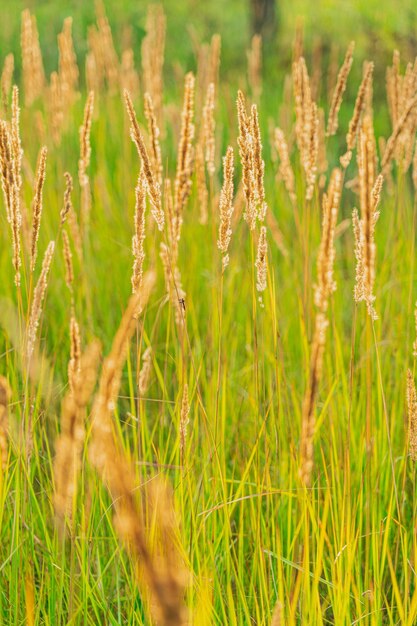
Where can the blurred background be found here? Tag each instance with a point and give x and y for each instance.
(377, 27)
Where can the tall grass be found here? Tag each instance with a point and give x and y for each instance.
(244, 453)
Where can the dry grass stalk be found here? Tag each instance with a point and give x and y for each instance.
(32, 65)
(226, 207)
(85, 145)
(285, 168)
(153, 186)
(68, 68)
(396, 134)
(258, 164)
(261, 261)
(10, 175)
(250, 150)
(15, 139)
(326, 284)
(184, 419)
(209, 128)
(129, 78)
(38, 296)
(67, 198)
(364, 229)
(412, 416)
(393, 84)
(145, 372)
(70, 443)
(164, 581)
(254, 56)
(37, 206)
(109, 60)
(84, 160)
(56, 106)
(153, 50)
(69, 271)
(5, 396)
(215, 50)
(323, 290)
(307, 124)
(245, 143)
(359, 107)
(139, 235)
(202, 191)
(185, 153)
(154, 133)
(339, 90)
(170, 217)
(6, 79)
(173, 284)
(74, 365)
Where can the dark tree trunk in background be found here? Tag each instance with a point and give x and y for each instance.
(263, 18)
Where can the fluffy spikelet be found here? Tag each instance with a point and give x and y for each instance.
(278, 615)
(307, 124)
(339, 90)
(74, 365)
(359, 107)
(255, 66)
(182, 183)
(184, 419)
(6, 79)
(5, 396)
(85, 145)
(258, 164)
(245, 143)
(209, 127)
(226, 207)
(153, 132)
(10, 175)
(32, 65)
(145, 372)
(412, 416)
(153, 186)
(37, 206)
(68, 68)
(15, 138)
(70, 443)
(324, 288)
(67, 197)
(285, 168)
(153, 49)
(38, 296)
(69, 272)
(261, 261)
(139, 235)
(364, 229)
(325, 261)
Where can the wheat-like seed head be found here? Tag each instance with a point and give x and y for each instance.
(37, 206)
(339, 90)
(38, 296)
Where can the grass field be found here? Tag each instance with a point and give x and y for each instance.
(216, 424)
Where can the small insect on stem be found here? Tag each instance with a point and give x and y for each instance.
(181, 301)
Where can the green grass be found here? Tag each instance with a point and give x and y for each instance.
(342, 552)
